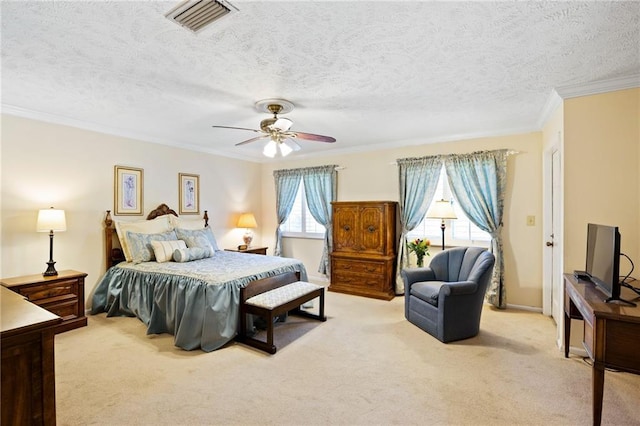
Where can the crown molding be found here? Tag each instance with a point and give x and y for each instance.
(559, 94)
(597, 87)
(554, 101)
(113, 131)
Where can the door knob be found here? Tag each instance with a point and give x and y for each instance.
(549, 244)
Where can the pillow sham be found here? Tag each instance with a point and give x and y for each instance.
(198, 238)
(189, 254)
(180, 222)
(140, 245)
(163, 250)
(155, 226)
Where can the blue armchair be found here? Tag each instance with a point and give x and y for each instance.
(445, 299)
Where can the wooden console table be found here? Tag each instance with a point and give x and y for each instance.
(28, 366)
(611, 332)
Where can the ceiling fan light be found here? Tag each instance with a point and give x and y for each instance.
(270, 149)
(283, 124)
(285, 149)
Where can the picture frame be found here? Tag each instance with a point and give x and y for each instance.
(128, 191)
(189, 193)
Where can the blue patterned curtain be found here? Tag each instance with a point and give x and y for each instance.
(287, 184)
(478, 182)
(418, 182)
(320, 187)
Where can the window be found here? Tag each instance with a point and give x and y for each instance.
(458, 232)
(300, 222)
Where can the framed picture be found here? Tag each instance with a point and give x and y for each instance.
(128, 186)
(189, 193)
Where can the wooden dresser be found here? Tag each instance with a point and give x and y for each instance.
(28, 367)
(363, 261)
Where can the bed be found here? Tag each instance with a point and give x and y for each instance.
(197, 300)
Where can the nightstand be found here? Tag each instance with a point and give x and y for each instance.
(62, 294)
(254, 250)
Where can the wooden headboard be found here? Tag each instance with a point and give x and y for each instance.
(113, 250)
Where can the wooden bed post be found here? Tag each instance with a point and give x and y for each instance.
(108, 235)
(206, 219)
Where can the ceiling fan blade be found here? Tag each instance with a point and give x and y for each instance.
(312, 137)
(283, 124)
(257, 138)
(237, 128)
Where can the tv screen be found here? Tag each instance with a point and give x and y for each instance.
(603, 258)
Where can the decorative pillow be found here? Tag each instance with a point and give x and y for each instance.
(198, 238)
(189, 254)
(182, 223)
(156, 226)
(140, 245)
(163, 250)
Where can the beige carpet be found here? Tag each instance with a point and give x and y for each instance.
(365, 366)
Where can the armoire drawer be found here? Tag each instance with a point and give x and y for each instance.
(358, 266)
(373, 282)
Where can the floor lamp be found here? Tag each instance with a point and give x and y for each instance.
(441, 209)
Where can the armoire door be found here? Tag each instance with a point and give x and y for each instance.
(345, 219)
(371, 230)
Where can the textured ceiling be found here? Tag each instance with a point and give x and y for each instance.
(368, 73)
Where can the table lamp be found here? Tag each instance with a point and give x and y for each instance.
(248, 221)
(441, 209)
(50, 220)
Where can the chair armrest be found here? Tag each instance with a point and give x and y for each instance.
(459, 288)
(414, 275)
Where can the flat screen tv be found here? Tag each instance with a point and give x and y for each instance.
(603, 258)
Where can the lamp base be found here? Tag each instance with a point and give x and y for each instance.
(247, 238)
(51, 270)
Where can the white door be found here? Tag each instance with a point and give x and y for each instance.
(554, 241)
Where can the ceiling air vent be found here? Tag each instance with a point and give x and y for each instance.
(194, 15)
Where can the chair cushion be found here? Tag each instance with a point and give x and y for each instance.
(427, 291)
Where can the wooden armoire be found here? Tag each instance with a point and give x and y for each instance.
(363, 260)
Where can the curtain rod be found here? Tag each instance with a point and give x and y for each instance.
(509, 152)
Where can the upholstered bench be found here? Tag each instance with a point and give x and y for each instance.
(275, 302)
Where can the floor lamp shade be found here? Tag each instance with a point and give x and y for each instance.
(248, 221)
(441, 209)
(51, 220)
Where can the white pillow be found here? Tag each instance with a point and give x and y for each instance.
(180, 222)
(159, 225)
(164, 249)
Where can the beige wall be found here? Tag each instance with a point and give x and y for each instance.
(47, 165)
(602, 171)
(371, 176)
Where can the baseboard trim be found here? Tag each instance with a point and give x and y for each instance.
(319, 279)
(524, 308)
(581, 352)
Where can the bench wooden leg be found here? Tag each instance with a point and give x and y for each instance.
(269, 316)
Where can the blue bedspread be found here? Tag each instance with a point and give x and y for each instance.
(197, 302)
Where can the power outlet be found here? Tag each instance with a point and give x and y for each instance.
(531, 221)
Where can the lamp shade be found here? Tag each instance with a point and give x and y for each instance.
(441, 209)
(51, 220)
(247, 220)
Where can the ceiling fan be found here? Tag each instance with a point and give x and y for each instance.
(277, 130)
